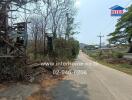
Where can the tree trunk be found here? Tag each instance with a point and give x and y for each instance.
(54, 35)
(35, 44)
(44, 44)
(35, 48)
(130, 45)
(130, 49)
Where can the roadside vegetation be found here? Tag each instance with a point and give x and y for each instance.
(52, 32)
(66, 50)
(120, 43)
(112, 58)
(123, 31)
(51, 39)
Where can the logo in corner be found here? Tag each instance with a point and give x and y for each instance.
(117, 10)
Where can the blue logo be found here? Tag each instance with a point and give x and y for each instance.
(117, 10)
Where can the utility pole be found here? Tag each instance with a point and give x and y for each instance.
(100, 37)
(67, 28)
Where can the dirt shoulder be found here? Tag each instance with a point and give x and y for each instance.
(38, 89)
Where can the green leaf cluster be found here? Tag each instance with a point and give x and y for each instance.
(123, 31)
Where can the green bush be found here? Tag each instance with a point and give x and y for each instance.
(118, 55)
(62, 50)
(66, 49)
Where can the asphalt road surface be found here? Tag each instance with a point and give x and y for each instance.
(99, 83)
(18, 91)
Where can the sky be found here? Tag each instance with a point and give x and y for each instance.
(94, 18)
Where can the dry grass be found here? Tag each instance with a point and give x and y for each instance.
(120, 64)
(126, 68)
(44, 93)
(40, 95)
(46, 82)
(2, 87)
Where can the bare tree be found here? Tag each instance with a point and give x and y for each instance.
(52, 15)
(36, 33)
(60, 9)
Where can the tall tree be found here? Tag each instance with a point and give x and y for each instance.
(123, 31)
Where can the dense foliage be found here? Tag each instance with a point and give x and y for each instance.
(66, 49)
(123, 31)
(56, 21)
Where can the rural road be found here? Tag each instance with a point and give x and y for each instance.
(100, 83)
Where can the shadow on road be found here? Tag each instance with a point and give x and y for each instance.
(69, 90)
